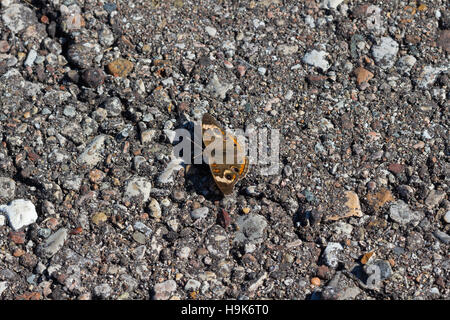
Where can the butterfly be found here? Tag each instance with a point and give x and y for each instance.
(226, 172)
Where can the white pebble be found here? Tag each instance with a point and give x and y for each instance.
(3, 286)
(262, 70)
(317, 59)
(92, 154)
(155, 209)
(211, 31)
(385, 54)
(447, 217)
(20, 213)
(32, 55)
(138, 186)
(330, 4)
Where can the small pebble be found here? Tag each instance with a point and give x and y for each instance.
(192, 285)
(155, 209)
(199, 213)
(330, 254)
(362, 75)
(7, 188)
(120, 67)
(31, 57)
(315, 281)
(99, 218)
(434, 198)
(164, 290)
(20, 213)
(4, 46)
(211, 31)
(138, 186)
(385, 53)
(446, 217)
(103, 291)
(92, 153)
(442, 236)
(93, 77)
(400, 212)
(317, 59)
(139, 237)
(250, 228)
(52, 244)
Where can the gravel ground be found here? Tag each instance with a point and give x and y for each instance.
(93, 204)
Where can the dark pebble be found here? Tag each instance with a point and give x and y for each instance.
(395, 168)
(93, 77)
(28, 260)
(18, 237)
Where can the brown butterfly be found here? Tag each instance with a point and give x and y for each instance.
(226, 173)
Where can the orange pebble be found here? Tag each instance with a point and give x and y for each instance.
(315, 281)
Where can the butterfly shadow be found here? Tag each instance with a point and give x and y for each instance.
(198, 179)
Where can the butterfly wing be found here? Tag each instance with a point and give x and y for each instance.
(227, 173)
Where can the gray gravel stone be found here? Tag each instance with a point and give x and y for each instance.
(349, 293)
(113, 106)
(129, 282)
(286, 50)
(69, 111)
(330, 255)
(167, 175)
(217, 243)
(155, 209)
(164, 290)
(317, 59)
(442, 236)
(251, 229)
(405, 63)
(217, 88)
(7, 188)
(192, 285)
(434, 198)
(400, 212)
(83, 54)
(342, 228)
(199, 213)
(3, 286)
(383, 269)
(72, 183)
(138, 186)
(139, 226)
(31, 57)
(385, 53)
(106, 37)
(429, 75)
(18, 16)
(103, 291)
(92, 154)
(139, 237)
(211, 31)
(330, 4)
(52, 244)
